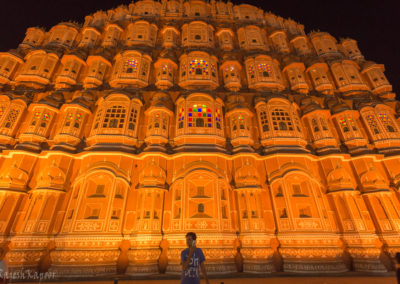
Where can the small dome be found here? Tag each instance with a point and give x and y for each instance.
(152, 176)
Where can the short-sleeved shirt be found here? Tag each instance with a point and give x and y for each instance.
(191, 275)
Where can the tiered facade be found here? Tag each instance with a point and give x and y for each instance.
(118, 136)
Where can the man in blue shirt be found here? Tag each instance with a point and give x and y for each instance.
(191, 259)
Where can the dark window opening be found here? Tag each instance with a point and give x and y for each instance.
(129, 70)
(199, 122)
(282, 126)
(200, 208)
(199, 71)
(197, 37)
(390, 128)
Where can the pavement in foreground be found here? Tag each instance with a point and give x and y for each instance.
(389, 278)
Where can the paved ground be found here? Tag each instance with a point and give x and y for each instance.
(270, 279)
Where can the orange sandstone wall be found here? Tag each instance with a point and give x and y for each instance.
(119, 135)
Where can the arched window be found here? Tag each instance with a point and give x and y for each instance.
(198, 67)
(264, 70)
(200, 115)
(370, 118)
(11, 118)
(347, 124)
(130, 66)
(387, 122)
(323, 124)
(314, 125)
(181, 117)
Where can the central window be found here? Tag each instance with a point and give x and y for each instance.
(115, 117)
(264, 69)
(200, 115)
(281, 120)
(198, 67)
(130, 66)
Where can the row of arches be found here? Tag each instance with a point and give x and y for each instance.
(120, 114)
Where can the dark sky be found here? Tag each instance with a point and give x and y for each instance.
(374, 24)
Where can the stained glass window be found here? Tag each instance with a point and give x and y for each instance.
(181, 117)
(130, 66)
(183, 69)
(251, 71)
(346, 123)
(2, 108)
(199, 115)
(343, 124)
(217, 118)
(264, 69)
(238, 122)
(372, 124)
(387, 122)
(12, 117)
(198, 67)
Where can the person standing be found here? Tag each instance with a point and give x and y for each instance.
(191, 259)
(397, 266)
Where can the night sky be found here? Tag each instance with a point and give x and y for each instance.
(374, 24)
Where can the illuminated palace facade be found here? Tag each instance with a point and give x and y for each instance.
(280, 149)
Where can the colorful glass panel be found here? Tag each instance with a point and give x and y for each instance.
(264, 67)
(198, 63)
(200, 111)
(131, 63)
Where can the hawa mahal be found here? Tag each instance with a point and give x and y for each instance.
(280, 149)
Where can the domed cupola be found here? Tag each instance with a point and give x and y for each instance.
(9, 64)
(165, 69)
(240, 118)
(319, 74)
(152, 176)
(72, 121)
(318, 125)
(294, 72)
(377, 81)
(347, 125)
(98, 66)
(41, 117)
(159, 117)
(231, 71)
(247, 176)
(72, 64)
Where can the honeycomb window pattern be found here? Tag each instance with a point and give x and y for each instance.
(372, 124)
(281, 120)
(11, 118)
(387, 122)
(114, 117)
(200, 115)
